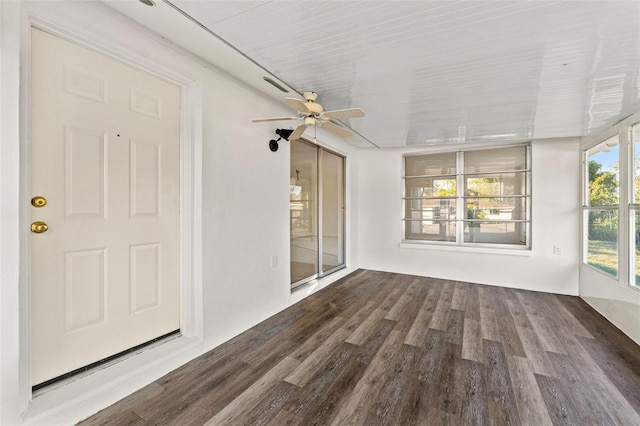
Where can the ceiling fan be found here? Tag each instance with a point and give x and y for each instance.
(314, 114)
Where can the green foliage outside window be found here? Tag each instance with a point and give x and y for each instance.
(603, 191)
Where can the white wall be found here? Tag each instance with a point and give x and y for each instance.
(244, 200)
(10, 362)
(617, 302)
(555, 221)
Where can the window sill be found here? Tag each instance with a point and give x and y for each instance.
(524, 252)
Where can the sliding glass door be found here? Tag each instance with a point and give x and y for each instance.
(316, 209)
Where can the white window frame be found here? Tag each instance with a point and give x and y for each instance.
(460, 203)
(627, 207)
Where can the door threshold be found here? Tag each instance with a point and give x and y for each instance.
(87, 370)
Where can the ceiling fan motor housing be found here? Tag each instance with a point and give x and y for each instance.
(310, 96)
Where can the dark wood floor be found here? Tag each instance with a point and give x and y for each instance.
(381, 348)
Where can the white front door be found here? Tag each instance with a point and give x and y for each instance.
(105, 154)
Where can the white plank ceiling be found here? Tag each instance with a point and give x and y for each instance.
(431, 72)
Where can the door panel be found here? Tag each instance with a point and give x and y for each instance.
(303, 208)
(105, 153)
(332, 210)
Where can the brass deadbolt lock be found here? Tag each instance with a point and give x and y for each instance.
(39, 227)
(38, 201)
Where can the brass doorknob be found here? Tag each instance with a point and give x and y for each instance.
(39, 227)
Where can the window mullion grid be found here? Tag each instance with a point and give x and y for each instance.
(634, 207)
(528, 194)
(460, 218)
(460, 200)
(319, 212)
(624, 192)
(633, 236)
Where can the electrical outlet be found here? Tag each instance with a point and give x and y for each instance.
(556, 250)
(274, 260)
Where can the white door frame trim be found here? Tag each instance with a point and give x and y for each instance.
(143, 365)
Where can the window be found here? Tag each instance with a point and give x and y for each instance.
(477, 197)
(602, 207)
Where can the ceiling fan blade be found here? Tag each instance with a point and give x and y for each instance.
(333, 127)
(262, 120)
(297, 133)
(344, 113)
(297, 104)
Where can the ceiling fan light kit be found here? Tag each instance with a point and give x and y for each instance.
(313, 114)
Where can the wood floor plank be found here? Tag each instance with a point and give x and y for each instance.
(275, 345)
(576, 351)
(508, 333)
(440, 418)
(470, 406)
(120, 418)
(485, 297)
(547, 301)
(447, 291)
(588, 405)
(455, 327)
(558, 400)
(415, 407)
(429, 369)
(477, 355)
(285, 418)
(618, 408)
(472, 303)
(535, 352)
(412, 308)
(391, 300)
(624, 376)
(518, 313)
(269, 406)
(459, 298)
(395, 313)
(240, 406)
(547, 335)
(308, 398)
(418, 331)
(277, 323)
(186, 388)
(328, 404)
(368, 351)
(531, 407)
(440, 318)
(388, 401)
(500, 396)
(315, 340)
(472, 346)
(358, 318)
(125, 406)
(489, 325)
(442, 391)
(301, 375)
(214, 395)
(360, 335)
(540, 305)
(355, 410)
